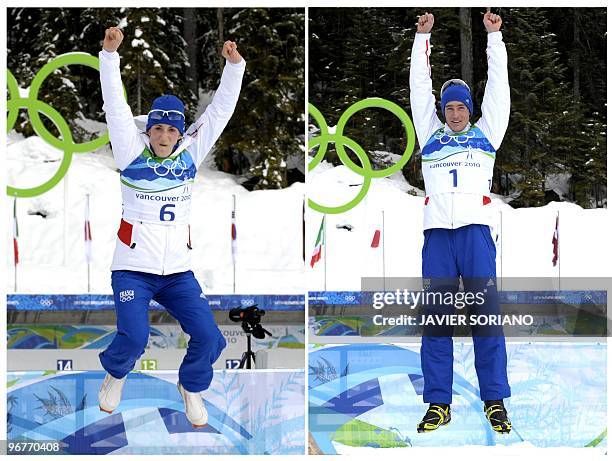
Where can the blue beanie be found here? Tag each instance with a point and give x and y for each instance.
(457, 93)
(168, 102)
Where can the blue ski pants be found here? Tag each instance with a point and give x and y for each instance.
(182, 297)
(469, 252)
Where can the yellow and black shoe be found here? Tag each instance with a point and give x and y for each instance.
(438, 414)
(497, 416)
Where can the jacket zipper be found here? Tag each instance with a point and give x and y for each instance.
(453, 210)
(165, 250)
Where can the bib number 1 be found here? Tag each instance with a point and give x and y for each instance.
(454, 173)
(166, 214)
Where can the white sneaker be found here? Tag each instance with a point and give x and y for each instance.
(109, 396)
(194, 407)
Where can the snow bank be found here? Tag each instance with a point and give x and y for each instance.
(524, 236)
(52, 251)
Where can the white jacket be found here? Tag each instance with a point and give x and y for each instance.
(451, 202)
(154, 234)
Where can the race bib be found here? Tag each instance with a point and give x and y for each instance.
(158, 190)
(458, 163)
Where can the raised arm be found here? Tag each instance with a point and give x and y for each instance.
(124, 135)
(211, 123)
(496, 101)
(422, 101)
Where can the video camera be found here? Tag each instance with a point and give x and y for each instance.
(251, 320)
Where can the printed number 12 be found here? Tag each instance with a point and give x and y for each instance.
(454, 173)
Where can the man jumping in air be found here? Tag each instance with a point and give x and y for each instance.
(153, 247)
(457, 163)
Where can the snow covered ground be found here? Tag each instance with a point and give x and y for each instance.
(524, 236)
(52, 250)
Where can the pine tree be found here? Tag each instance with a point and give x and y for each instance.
(93, 24)
(539, 138)
(267, 125)
(153, 58)
(55, 30)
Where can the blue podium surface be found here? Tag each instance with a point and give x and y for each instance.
(370, 395)
(250, 412)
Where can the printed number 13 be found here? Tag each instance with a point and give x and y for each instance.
(454, 173)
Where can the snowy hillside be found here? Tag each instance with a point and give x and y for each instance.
(51, 242)
(524, 236)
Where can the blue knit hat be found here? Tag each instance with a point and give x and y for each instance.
(159, 114)
(457, 92)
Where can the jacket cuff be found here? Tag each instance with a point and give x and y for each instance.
(421, 37)
(108, 55)
(494, 37)
(238, 65)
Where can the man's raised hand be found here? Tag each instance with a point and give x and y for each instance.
(492, 22)
(112, 39)
(230, 52)
(425, 23)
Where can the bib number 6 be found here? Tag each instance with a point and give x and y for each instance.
(166, 214)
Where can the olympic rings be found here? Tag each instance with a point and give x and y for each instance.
(171, 166)
(323, 139)
(13, 105)
(34, 106)
(445, 138)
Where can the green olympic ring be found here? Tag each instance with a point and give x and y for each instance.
(34, 106)
(13, 105)
(323, 139)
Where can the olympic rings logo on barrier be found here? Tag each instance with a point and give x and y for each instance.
(340, 141)
(34, 107)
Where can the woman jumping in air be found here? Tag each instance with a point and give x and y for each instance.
(153, 248)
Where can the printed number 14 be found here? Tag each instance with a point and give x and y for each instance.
(454, 173)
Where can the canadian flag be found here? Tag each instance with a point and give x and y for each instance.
(87, 232)
(555, 242)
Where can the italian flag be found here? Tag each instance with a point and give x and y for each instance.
(318, 249)
(15, 233)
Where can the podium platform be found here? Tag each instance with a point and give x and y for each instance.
(250, 412)
(364, 396)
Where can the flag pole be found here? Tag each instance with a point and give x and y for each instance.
(559, 249)
(383, 252)
(324, 253)
(65, 219)
(15, 231)
(501, 250)
(233, 244)
(88, 255)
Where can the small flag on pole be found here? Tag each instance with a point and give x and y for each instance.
(555, 242)
(376, 239)
(87, 233)
(318, 249)
(234, 235)
(15, 234)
